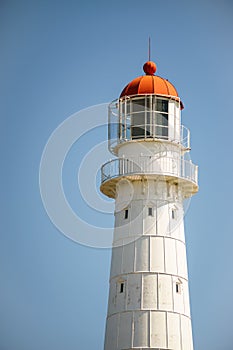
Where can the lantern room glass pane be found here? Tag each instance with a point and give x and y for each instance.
(162, 119)
(161, 105)
(161, 122)
(128, 127)
(138, 105)
(138, 132)
(138, 118)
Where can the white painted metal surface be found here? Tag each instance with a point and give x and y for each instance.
(148, 304)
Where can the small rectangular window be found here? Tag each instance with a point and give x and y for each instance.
(122, 287)
(150, 211)
(126, 213)
(178, 287)
(173, 214)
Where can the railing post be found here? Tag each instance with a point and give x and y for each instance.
(182, 172)
(196, 173)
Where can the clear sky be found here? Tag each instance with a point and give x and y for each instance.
(58, 57)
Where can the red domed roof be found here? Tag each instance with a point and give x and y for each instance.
(150, 84)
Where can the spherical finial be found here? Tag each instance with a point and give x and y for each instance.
(149, 68)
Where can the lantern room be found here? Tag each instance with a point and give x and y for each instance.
(149, 108)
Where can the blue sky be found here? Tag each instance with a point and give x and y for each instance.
(58, 57)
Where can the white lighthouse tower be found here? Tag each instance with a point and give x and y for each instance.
(149, 179)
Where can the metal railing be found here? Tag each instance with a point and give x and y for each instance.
(149, 165)
(183, 139)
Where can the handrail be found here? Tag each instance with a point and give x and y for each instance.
(183, 140)
(149, 165)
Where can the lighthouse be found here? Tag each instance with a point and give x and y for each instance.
(149, 177)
